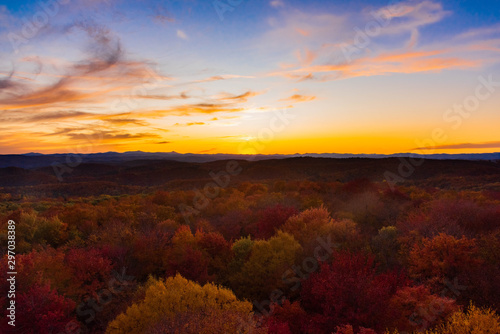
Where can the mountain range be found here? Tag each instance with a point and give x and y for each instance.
(38, 160)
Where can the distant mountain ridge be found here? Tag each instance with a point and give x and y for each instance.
(38, 160)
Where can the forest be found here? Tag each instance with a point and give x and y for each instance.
(344, 246)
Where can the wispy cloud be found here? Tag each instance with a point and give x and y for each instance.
(124, 121)
(91, 80)
(190, 109)
(299, 98)
(342, 55)
(492, 144)
(239, 98)
(189, 124)
(82, 133)
(224, 77)
(182, 35)
(206, 151)
(277, 3)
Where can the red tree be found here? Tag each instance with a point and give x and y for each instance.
(42, 310)
(286, 319)
(90, 268)
(348, 291)
(271, 219)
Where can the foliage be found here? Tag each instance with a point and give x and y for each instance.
(40, 309)
(271, 219)
(475, 320)
(442, 259)
(264, 240)
(414, 307)
(262, 272)
(348, 291)
(169, 303)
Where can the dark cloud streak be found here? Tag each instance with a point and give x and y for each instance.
(494, 144)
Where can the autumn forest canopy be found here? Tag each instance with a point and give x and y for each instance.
(321, 246)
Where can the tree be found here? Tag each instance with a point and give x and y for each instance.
(348, 291)
(33, 229)
(347, 329)
(271, 219)
(177, 302)
(185, 258)
(474, 320)
(218, 252)
(241, 250)
(307, 226)
(442, 259)
(345, 234)
(149, 252)
(206, 322)
(415, 308)
(91, 270)
(386, 247)
(42, 310)
(263, 271)
(192, 263)
(287, 318)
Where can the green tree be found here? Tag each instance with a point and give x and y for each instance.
(268, 261)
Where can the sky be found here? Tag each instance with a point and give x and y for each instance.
(250, 76)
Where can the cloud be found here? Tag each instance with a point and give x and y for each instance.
(353, 51)
(181, 96)
(56, 93)
(58, 116)
(398, 61)
(239, 98)
(6, 19)
(224, 77)
(8, 83)
(111, 136)
(209, 150)
(189, 124)
(92, 80)
(221, 103)
(277, 3)
(182, 35)
(191, 109)
(493, 144)
(90, 134)
(299, 98)
(306, 57)
(410, 15)
(163, 19)
(162, 15)
(481, 32)
(104, 47)
(224, 117)
(125, 121)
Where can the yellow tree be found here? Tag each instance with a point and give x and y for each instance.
(312, 223)
(474, 321)
(263, 271)
(177, 305)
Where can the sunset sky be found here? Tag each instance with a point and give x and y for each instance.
(250, 76)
